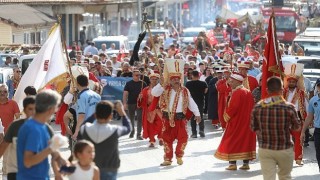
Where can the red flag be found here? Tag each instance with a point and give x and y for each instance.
(272, 64)
(212, 39)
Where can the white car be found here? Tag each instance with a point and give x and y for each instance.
(25, 61)
(5, 74)
(189, 34)
(121, 42)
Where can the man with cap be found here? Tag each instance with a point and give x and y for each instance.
(238, 141)
(151, 114)
(223, 92)
(115, 64)
(249, 82)
(177, 107)
(295, 94)
(213, 96)
(313, 116)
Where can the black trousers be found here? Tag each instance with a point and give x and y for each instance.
(307, 136)
(235, 162)
(316, 136)
(194, 123)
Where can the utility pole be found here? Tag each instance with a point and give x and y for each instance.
(139, 16)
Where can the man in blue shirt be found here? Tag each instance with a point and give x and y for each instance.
(314, 114)
(33, 145)
(86, 102)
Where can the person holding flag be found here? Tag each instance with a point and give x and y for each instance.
(249, 82)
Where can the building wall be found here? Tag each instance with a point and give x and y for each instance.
(5, 33)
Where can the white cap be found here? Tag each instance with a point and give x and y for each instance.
(237, 76)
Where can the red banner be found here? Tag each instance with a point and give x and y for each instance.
(272, 64)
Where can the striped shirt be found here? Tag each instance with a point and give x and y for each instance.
(272, 119)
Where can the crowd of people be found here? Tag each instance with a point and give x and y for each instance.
(169, 87)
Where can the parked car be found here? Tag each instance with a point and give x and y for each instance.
(119, 41)
(25, 61)
(5, 74)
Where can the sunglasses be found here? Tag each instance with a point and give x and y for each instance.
(3, 91)
(18, 71)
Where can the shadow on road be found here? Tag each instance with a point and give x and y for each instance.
(239, 174)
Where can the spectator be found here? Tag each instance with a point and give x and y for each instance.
(125, 71)
(33, 146)
(105, 138)
(72, 53)
(30, 91)
(91, 50)
(83, 37)
(272, 119)
(85, 169)
(103, 49)
(112, 47)
(12, 134)
(13, 82)
(130, 96)
(115, 64)
(7, 62)
(15, 63)
(87, 100)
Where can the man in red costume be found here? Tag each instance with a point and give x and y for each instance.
(295, 94)
(238, 141)
(223, 92)
(177, 107)
(151, 115)
(249, 82)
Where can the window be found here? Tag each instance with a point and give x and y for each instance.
(33, 38)
(26, 38)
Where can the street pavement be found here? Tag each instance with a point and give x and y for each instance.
(139, 162)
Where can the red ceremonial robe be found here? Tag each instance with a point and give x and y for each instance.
(238, 141)
(151, 116)
(250, 83)
(223, 92)
(59, 117)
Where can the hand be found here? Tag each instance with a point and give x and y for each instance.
(68, 130)
(197, 119)
(75, 135)
(140, 97)
(125, 106)
(58, 177)
(302, 137)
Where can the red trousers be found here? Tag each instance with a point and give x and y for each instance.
(154, 129)
(298, 150)
(179, 132)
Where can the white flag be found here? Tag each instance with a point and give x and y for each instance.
(48, 68)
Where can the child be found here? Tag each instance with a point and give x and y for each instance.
(105, 137)
(85, 168)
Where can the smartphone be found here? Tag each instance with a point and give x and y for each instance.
(67, 169)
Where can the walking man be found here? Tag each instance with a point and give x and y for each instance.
(273, 119)
(177, 107)
(197, 89)
(238, 141)
(151, 114)
(86, 103)
(313, 114)
(130, 96)
(295, 94)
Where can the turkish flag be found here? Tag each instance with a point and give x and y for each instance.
(272, 64)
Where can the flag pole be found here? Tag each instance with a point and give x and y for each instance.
(66, 52)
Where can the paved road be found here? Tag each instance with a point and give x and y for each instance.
(139, 162)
